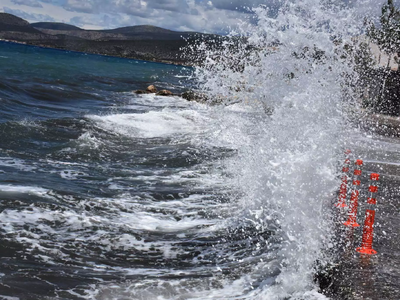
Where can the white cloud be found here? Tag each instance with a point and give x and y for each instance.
(170, 5)
(32, 3)
(87, 6)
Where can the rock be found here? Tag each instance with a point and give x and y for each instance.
(151, 89)
(140, 92)
(194, 96)
(164, 93)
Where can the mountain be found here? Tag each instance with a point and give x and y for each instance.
(139, 42)
(9, 22)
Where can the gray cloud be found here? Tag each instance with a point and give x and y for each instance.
(88, 6)
(170, 5)
(32, 3)
(105, 6)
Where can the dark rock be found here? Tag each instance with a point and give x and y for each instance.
(151, 89)
(203, 98)
(140, 92)
(194, 96)
(164, 93)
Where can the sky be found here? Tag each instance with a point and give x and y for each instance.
(209, 16)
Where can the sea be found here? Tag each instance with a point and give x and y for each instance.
(108, 194)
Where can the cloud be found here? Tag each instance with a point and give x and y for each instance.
(170, 5)
(87, 6)
(32, 3)
(29, 16)
(105, 6)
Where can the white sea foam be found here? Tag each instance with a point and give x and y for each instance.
(153, 124)
(146, 101)
(23, 189)
(16, 163)
(71, 174)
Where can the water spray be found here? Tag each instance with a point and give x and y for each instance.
(352, 219)
(343, 187)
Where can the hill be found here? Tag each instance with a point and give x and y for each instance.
(9, 22)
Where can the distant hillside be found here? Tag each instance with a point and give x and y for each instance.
(10, 22)
(140, 42)
(55, 26)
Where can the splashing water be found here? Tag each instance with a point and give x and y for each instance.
(294, 70)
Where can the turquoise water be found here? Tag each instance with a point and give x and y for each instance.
(47, 81)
